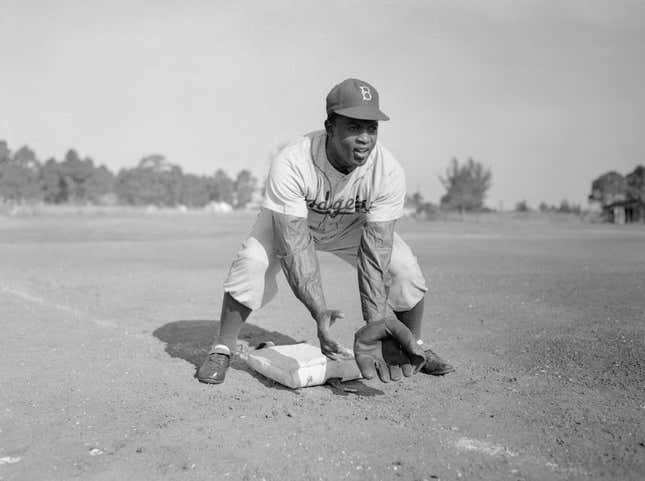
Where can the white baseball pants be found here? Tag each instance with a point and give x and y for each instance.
(252, 277)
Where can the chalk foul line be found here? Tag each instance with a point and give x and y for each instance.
(484, 447)
(25, 296)
(9, 460)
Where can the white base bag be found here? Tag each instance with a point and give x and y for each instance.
(300, 365)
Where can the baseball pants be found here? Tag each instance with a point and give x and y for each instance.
(252, 277)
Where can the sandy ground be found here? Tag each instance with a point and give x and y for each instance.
(105, 319)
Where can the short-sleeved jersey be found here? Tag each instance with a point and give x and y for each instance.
(303, 183)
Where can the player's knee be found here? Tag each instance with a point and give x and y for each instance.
(408, 286)
(251, 279)
(254, 253)
(407, 270)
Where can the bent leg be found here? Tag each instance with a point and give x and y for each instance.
(407, 288)
(406, 291)
(406, 298)
(250, 284)
(251, 281)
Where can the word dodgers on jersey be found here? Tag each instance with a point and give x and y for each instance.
(339, 206)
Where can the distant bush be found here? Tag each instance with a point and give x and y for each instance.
(522, 206)
(466, 186)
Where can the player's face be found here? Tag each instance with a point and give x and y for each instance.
(350, 142)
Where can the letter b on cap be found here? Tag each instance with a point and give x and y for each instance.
(366, 92)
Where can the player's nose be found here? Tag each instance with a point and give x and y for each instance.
(363, 138)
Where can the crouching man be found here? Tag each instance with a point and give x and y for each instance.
(336, 190)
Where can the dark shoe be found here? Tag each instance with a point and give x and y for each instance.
(213, 371)
(435, 366)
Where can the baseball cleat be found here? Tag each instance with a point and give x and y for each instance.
(213, 370)
(434, 365)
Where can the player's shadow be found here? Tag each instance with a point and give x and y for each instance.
(191, 340)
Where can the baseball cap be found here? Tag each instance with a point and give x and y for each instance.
(356, 99)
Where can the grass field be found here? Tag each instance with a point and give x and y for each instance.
(106, 316)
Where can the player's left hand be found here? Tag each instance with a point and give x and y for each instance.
(398, 362)
(391, 339)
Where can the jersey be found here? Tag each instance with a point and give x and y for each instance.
(303, 183)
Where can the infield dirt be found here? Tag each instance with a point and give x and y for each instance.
(106, 317)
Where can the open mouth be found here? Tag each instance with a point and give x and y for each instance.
(361, 153)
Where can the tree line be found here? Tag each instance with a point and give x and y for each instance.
(564, 207)
(154, 181)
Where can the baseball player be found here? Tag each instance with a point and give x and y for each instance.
(336, 190)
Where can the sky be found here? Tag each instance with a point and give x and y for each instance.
(547, 94)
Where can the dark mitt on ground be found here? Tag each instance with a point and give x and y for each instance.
(368, 350)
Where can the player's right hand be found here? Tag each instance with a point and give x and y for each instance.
(328, 345)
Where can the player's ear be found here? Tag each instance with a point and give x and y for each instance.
(329, 127)
(330, 123)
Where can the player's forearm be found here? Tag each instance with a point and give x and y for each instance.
(374, 254)
(297, 254)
